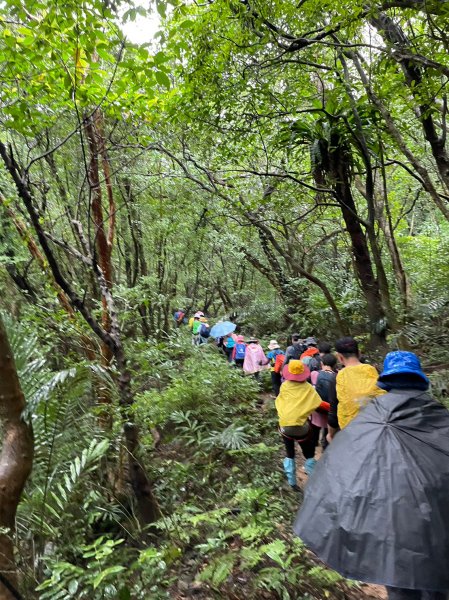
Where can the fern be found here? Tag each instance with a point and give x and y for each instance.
(234, 437)
(218, 570)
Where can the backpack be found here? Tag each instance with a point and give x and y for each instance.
(323, 384)
(279, 363)
(313, 362)
(229, 342)
(204, 330)
(240, 350)
(294, 352)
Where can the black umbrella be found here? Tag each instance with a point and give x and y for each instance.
(376, 508)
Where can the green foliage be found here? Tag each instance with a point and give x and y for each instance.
(218, 139)
(203, 388)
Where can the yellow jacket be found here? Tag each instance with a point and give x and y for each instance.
(296, 402)
(356, 386)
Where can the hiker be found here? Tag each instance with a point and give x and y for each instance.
(276, 364)
(229, 342)
(325, 385)
(204, 331)
(377, 508)
(255, 359)
(311, 355)
(179, 317)
(295, 403)
(196, 326)
(239, 351)
(294, 351)
(324, 348)
(356, 385)
(196, 316)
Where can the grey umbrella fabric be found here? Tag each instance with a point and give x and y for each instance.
(376, 508)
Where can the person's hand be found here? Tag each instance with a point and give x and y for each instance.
(329, 438)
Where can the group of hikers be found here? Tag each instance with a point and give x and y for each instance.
(376, 504)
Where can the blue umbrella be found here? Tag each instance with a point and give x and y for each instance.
(222, 329)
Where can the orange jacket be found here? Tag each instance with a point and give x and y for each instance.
(309, 352)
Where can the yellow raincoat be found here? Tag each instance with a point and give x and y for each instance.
(356, 385)
(296, 402)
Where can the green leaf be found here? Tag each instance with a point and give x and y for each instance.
(161, 8)
(163, 79)
(109, 571)
(160, 57)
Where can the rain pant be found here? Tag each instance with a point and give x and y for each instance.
(376, 509)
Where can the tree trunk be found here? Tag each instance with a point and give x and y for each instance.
(146, 503)
(370, 225)
(16, 459)
(148, 508)
(362, 259)
(102, 239)
(383, 216)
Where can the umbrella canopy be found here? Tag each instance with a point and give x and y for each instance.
(376, 508)
(222, 329)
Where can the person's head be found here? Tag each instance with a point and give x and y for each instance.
(310, 342)
(296, 370)
(324, 348)
(273, 345)
(196, 318)
(402, 370)
(240, 339)
(329, 360)
(347, 350)
(296, 338)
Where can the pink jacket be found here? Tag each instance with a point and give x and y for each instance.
(253, 356)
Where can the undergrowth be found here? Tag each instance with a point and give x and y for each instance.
(212, 452)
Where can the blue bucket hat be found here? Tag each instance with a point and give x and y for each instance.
(401, 363)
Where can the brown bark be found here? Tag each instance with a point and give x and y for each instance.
(102, 245)
(338, 170)
(358, 135)
(103, 238)
(16, 459)
(383, 216)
